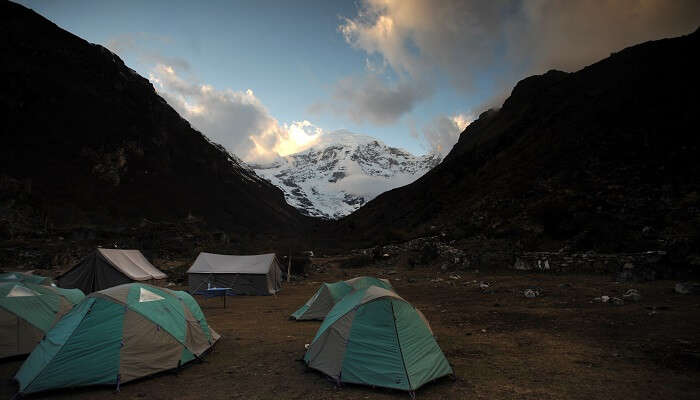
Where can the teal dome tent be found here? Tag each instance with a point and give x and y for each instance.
(28, 311)
(330, 293)
(122, 333)
(374, 337)
(25, 277)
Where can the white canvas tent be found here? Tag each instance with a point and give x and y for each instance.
(106, 268)
(259, 274)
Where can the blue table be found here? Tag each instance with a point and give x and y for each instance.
(214, 292)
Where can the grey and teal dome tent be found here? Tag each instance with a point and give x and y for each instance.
(330, 293)
(25, 277)
(374, 337)
(117, 335)
(28, 311)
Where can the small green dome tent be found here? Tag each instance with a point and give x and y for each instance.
(121, 333)
(25, 277)
(330, 293)
(28, 311)
(374, 337)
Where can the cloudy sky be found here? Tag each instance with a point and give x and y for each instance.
(268, 77)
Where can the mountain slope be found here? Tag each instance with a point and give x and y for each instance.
(605, 158)
(86, 140)
(342, 172)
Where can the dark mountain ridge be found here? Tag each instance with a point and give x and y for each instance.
(605, 158)
(87, 141)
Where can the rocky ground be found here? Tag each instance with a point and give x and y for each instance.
(561, 342)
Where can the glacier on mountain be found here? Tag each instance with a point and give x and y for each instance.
(341, 172)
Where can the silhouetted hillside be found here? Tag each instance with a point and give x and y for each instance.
(605, 158)
(86, 140)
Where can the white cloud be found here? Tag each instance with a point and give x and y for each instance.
(443, 132)
(373, 99)
(499, 42)
(237, 120)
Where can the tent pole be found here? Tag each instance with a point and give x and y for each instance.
(289, 266)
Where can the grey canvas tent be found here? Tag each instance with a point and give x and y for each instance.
(259, 274)
(106, 268)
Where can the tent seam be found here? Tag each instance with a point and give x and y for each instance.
(64, 343)
(126, 305)
(398, 340)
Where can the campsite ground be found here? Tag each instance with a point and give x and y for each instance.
(502, 345)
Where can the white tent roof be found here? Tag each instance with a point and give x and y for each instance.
(224, 264)
(132, 264)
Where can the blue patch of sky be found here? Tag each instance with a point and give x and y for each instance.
(290, 53)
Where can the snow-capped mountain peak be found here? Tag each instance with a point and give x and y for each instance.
(342, 171)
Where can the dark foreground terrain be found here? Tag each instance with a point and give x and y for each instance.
(502, 345)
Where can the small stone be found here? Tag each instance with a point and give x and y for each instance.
(483, 285)
(687, 288)
(632, 295)
(483, 331)
(531, 293)
(604, 299)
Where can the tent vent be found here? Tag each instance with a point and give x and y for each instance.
(21, 291)
(147, 295)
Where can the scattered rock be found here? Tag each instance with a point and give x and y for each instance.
(455, 277)
(632, 295)
(531, 293)
(520, 265)
(687, 288)
(617, 301)
(483, 285)
(564, 285)
(604, 299)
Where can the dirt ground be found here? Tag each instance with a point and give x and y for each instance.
(501, 345)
